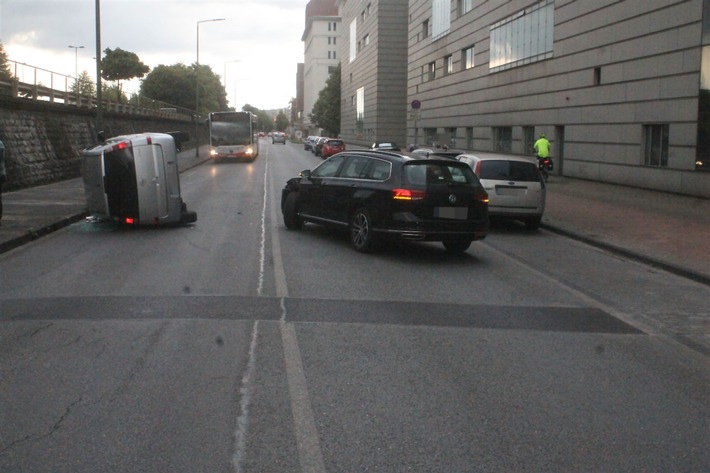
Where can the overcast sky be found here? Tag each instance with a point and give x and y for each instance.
(264, 35)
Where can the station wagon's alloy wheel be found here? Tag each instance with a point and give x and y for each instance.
(291, 218)
(457, 245)
(361, 231)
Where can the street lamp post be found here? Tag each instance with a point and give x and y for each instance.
(197, 86)
(76, 64)
(224, 78)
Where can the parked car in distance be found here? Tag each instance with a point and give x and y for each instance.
(513, 183)
(385, 146)
(382, 195)
(308, 143)
(318, 145)
(332, 146)
(278, 137)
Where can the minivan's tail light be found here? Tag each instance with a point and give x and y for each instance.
(408, 194)
(120, 146)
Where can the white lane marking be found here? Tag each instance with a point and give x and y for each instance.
(245, 390)
(309, 452)
(308, 443)
(262, 250)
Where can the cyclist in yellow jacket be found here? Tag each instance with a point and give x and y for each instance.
(542, 148)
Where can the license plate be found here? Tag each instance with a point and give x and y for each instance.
(510, 190)
(457, 213)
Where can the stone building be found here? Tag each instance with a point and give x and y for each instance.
(321, 39)
(619, 87)
(374, 71)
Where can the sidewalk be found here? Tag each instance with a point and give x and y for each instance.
(666, 230)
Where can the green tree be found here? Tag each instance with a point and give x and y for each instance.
(118, 65)
(282, 121)
(5, 73)
(112, 93)
(263, 120)
(212, 96)
(176, 85)
(326, 110)
(84, 85)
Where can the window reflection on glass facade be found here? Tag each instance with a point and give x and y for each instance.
(523, 38)
(702, 149)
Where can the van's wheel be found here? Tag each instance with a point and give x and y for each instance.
(290, 211)
(457, 245)
(360, 230)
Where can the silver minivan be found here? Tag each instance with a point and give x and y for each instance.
(134, 179)
(514, 185)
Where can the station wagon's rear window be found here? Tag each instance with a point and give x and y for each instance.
(503, 170)
(428, 174)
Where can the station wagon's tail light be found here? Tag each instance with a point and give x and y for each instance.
(408, 194)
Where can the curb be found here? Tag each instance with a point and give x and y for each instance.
(656, 263)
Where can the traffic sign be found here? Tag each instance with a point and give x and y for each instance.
(416, 104)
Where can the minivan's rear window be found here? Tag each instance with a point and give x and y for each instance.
(429, 173)
(503, 170)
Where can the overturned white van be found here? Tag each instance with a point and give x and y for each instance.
(134, 179)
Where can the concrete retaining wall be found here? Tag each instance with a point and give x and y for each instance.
(43, 141)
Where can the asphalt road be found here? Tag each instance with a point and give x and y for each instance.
(237, 345)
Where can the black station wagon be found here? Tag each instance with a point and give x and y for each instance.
(384, 195)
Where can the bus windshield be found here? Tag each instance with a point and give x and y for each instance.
(230, 133)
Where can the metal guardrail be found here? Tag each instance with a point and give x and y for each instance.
(30, 83)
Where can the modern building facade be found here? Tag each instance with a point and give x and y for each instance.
(321, 39)
(374, 71)
(616, 86)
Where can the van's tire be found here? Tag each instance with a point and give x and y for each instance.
(362, 238)
(290, 211)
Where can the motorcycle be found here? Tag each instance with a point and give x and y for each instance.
(545, 165)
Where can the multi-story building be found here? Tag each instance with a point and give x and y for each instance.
(373, 71)
(321, 39)
(619, 87)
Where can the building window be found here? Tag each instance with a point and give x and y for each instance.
(597, 76)
(333, 54)
(441, 18)
(528, 140)
(452, 137)
(360, 110)
(656, 145)
(448, 65)
(469, 138)
(366, 40)
(353, 40)
(502, 139)
(467, 55)
(465, 6)
(425, 29)
(523, 38)
(431, 136)
(431, 70)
